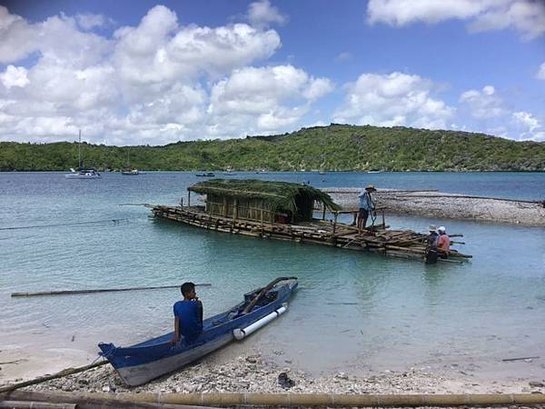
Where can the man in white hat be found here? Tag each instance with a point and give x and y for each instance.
(367, 205)
(443, 242)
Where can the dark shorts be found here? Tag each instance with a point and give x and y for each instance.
(363, 212)
(431, 256)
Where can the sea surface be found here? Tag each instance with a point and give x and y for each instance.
(355, 312)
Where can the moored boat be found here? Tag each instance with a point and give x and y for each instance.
(81, 172)
(130, 172)
(140, 363)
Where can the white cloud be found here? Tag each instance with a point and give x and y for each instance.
(318, 88)
(266, 99)
(527, 120)
(485, 111)
(158, 51)
(403, 12)
(155, 82)
(541, 72)
(262, 14)
(483, 104)
(392, 100)
(91, 21)
(14, 77)
(17, 37)
(525, 16)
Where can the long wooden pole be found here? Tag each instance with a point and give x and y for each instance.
(292, 399)
(99, 290)
(61, 374)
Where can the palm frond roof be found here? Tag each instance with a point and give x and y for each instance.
(278, 194)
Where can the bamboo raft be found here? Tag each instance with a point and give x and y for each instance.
(378, 239)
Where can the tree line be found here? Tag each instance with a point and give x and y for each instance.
(326, 148)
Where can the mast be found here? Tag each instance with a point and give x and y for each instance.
(79, 150)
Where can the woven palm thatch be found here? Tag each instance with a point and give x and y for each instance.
(278, 195)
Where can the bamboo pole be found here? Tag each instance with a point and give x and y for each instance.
(61, 374)
(292, 399)
(13, 404)
(100, 290)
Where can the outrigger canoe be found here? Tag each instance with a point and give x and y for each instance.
(140, 363)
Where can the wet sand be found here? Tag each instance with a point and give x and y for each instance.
(447, 206)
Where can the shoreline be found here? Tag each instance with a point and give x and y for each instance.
(447, 206)
(242, 369)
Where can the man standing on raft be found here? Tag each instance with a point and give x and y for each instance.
(367, 205)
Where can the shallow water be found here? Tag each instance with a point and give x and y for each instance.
(354, 310)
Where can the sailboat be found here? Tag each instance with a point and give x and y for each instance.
(128, 170)
(81, 172)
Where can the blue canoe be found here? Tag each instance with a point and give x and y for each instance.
(140, 363)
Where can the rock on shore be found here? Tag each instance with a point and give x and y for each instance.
(254, 374)
(447, 206)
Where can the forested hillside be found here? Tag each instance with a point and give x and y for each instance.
(328, 148)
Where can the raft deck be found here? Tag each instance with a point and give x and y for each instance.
(380, 239)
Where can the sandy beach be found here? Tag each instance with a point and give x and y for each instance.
(241, 369)
(447, 206)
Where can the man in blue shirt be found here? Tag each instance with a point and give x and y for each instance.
(366, 206)
(187, 315)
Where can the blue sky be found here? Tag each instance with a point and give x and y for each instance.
(142, 72)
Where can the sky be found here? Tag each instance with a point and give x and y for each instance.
(139, 72)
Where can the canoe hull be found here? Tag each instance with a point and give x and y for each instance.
(140, 374)
(145, 361)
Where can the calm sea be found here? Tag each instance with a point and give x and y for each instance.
(354, 310)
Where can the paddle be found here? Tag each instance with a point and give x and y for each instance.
(252, 303)
(100, 290)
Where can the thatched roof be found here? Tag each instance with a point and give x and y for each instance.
(278, 194)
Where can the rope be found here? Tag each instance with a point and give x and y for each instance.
(38, 226)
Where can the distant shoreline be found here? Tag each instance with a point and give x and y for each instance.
(334, 147)
(448, 206)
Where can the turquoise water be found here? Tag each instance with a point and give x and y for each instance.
(354, 309)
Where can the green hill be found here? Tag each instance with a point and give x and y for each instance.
(333, 148)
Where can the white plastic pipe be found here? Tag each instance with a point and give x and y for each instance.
(241, 333)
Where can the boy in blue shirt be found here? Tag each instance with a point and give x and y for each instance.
(187, 315)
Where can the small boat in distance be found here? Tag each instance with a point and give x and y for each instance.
(140, 363)
(128, 171)
(81, 172)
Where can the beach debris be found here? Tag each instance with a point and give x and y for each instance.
(284, 380)
(524, 358)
